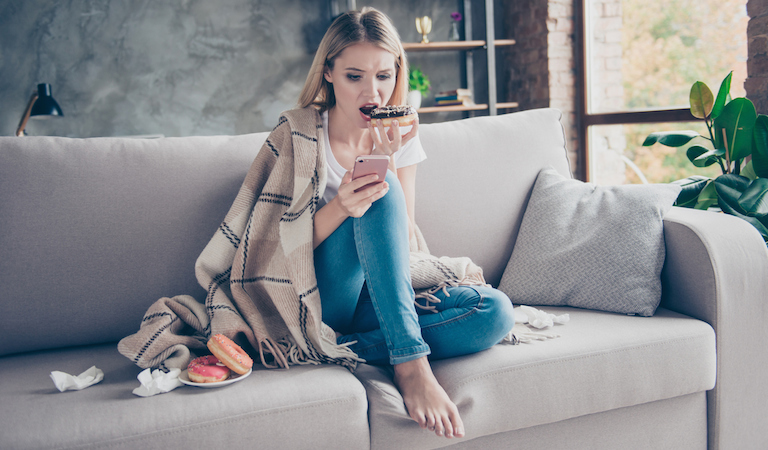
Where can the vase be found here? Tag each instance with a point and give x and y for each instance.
(453, 34)
(414, 99)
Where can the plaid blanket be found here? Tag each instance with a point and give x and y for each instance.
(258, 268)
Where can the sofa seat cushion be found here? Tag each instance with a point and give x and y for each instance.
(601, 361)
(305, 406)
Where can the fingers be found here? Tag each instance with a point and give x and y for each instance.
(356, 196)
(377, 137)
(388, 142)
(411, 134)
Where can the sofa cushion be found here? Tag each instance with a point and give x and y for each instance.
(596, 247)
(108, 225)
(303, 407)
(601, 362)
(472, 189)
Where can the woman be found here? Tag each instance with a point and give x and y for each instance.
(361, 238)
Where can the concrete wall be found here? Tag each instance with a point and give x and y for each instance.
(757, 48)
(182, 67)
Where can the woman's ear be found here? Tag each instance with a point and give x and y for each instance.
(327, 75)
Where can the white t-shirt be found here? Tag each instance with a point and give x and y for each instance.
(409, 154)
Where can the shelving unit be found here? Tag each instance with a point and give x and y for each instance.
(469, 46)
(452, 45)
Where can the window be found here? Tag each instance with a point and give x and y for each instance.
(640, 58)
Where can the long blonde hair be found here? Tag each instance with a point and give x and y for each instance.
(354, 27)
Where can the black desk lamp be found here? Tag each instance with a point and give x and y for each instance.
(41, 105)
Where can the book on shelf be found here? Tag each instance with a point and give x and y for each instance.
(461, 92)
(454, 102)
(455, 96)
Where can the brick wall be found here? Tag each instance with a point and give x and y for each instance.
(541, 65)
(562, 71)
(757, 50)
(607, 142)
(541, 69)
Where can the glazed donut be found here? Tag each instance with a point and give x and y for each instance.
(207, 369)
(230, 354)
(405, 115)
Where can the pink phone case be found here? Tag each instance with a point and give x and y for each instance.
(366, 165)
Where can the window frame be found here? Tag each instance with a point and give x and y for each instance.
(586, 119)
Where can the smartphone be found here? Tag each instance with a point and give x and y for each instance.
(370, 164)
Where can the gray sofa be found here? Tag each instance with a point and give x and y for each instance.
(92, 231)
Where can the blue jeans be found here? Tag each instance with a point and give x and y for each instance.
(364, 281)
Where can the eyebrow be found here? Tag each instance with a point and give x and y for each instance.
(361, 70)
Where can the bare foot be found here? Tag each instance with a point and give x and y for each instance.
(426, 401)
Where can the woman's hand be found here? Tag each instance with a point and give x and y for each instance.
(388, 142)
(356, 196)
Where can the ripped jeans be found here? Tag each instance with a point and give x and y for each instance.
(364, 281)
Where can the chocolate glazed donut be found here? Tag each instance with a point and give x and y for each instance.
(405, 115)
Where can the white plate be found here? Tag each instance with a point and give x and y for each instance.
(234, 377)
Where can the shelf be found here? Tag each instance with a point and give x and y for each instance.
(452, 108)
(453, 45)
(434, 109)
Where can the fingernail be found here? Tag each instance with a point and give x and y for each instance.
(395, 122)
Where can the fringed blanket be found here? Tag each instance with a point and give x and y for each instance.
(259, 271)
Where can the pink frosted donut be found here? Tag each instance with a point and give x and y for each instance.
(230, 354)
(206, 369)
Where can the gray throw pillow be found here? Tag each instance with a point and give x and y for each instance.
(588, 246)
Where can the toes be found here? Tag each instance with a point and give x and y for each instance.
(431, 422)
(457, 424)
(439, 428)
(448, 429)
(420, 418)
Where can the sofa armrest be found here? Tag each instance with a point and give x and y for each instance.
(716, 270)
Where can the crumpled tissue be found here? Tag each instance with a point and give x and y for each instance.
(526, 317)
(156, 381)
(65, 381)
(538, 318)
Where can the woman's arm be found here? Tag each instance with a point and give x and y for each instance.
(407, 178)
(347, 203)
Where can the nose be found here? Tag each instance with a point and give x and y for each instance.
(371, 88)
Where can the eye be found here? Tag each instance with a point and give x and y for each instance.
(353, 77)
(384, 76)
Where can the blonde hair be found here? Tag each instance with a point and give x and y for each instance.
(354, 27)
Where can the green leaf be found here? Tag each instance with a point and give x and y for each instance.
(703, 157)
(760, 146)
(748, 171)
(691, 187)
(670, 138)
(729, 188)
(707, 197)
(738, 120)
(760, 224)
(754, 199)
(702, 100)
(723, 96)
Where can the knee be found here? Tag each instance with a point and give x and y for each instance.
(394, 200)
(499, 313)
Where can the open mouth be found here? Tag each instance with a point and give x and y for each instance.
(367, 109)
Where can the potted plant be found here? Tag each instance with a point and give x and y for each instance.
(418, 86)
(738, 143)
